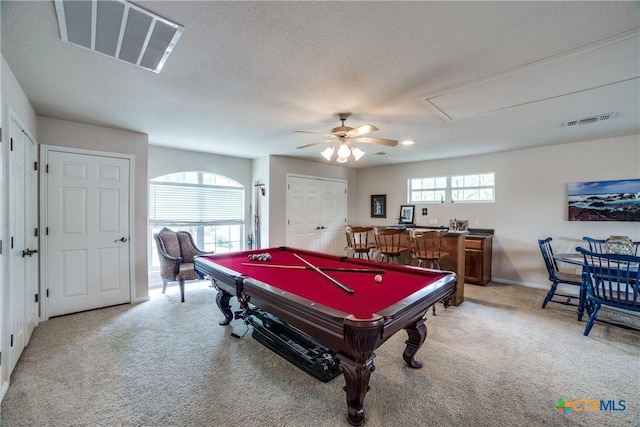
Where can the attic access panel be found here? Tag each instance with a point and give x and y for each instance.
(118, 29)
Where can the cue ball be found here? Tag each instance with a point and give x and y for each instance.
(378, 278)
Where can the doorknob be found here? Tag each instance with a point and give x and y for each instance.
(122, 239)
(29, 252)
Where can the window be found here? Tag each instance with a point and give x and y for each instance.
(475, 188)
(427, 190)
(209, 206)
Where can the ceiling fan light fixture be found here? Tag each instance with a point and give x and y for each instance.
(357, 153)
(327, 153)
(343, 151)
(342, 137)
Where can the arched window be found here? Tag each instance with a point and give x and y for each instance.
(209, 206)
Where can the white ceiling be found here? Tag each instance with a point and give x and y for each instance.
(245, 75)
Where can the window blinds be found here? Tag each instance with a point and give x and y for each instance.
(193, 204)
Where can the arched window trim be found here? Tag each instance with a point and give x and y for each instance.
(173, 202)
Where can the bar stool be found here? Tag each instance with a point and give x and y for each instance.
(426, 247)
(389, 245)
(360, 241)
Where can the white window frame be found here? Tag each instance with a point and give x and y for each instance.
(214, 182)
(441, 189)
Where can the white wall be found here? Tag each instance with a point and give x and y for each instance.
(71, 134)
(531, 199)
(163, 161)
(279, 167)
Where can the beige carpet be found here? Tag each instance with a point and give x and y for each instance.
(496, 360)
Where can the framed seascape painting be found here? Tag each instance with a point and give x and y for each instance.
(604, 200)
(378, 206)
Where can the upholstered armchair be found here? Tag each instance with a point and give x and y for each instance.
(176, 250)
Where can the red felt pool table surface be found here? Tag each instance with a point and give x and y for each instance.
(369, 297)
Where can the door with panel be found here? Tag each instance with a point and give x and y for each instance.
(333, 217)
(303, 213)
(87, 233)
(23, 241)
(316, 214)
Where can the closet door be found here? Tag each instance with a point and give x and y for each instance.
(316, 214)
(87, 242)
(333, 216)
(22, 290)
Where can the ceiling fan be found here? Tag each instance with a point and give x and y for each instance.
(343, 136)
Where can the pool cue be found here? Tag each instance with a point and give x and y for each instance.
(302, 267)
(343, 287)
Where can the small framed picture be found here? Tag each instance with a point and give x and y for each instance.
(407, 214)
(378, 206)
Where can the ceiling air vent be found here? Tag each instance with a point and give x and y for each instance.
(118, 29)
(592, 119)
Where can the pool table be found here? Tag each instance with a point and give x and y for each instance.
(336, 301)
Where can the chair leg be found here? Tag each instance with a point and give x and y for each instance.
(592, 318)
(582, 304)
(164, 285)
(181, 282)
(550, 294)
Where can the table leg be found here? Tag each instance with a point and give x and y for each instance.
(417, 333)
(356, 377)
(362, 337)
(223, 301)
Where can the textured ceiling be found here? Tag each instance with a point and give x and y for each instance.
(245, 75)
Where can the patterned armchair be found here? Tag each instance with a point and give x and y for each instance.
(176, 251)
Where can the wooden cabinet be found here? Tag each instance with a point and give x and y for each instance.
(477, 255)
(453, 244)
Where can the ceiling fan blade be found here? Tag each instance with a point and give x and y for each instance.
(361, 130)
(381, 141)
(315, 143)
(313, 133)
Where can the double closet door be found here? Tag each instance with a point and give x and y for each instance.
(316, 214)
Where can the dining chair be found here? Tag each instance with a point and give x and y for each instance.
(389, 244)
(360, 241)
(557, 277)
(595, 245)
(611, 280)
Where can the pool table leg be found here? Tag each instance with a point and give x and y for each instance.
(362, 338)
(223, 301)
(417, 333)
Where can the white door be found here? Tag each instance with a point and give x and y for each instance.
(23, 241)
(333, 217)
(32, 232)
(87, 233)
(316, 214)
(303, 213)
